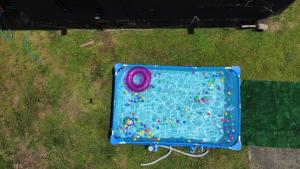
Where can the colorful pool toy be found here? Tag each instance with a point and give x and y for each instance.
(144, 79)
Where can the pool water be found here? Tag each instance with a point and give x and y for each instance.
(192, 105)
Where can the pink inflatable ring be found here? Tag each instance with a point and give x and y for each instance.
(145, 75)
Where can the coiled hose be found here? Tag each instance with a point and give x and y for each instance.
(178, 151)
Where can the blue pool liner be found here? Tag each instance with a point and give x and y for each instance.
(236, 146)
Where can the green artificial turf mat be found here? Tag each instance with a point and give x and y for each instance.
(271, 113)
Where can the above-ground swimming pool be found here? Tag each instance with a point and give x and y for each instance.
(177, 106)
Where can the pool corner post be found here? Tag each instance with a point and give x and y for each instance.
(237, 146)
(113, 140)
(237, 69)
(118, 66)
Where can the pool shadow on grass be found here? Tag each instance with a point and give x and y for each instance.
(271, 114)
(112, 103)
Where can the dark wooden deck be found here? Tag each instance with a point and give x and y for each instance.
(57, 14)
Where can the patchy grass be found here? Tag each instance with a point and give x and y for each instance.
(56, 96)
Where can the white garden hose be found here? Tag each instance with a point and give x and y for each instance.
(178, 151)
(161, 158)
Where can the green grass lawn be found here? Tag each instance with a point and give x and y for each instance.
(55, 96)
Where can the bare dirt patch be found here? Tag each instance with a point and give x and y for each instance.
(274, 25)
(276, 158)
(71, 106)
(44, 109)
(109, 43)
(15, 102)
(33, 159)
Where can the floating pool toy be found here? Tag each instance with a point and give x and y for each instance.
(144, 83)
(129, 122)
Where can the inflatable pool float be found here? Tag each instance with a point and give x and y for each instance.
(144, 82)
